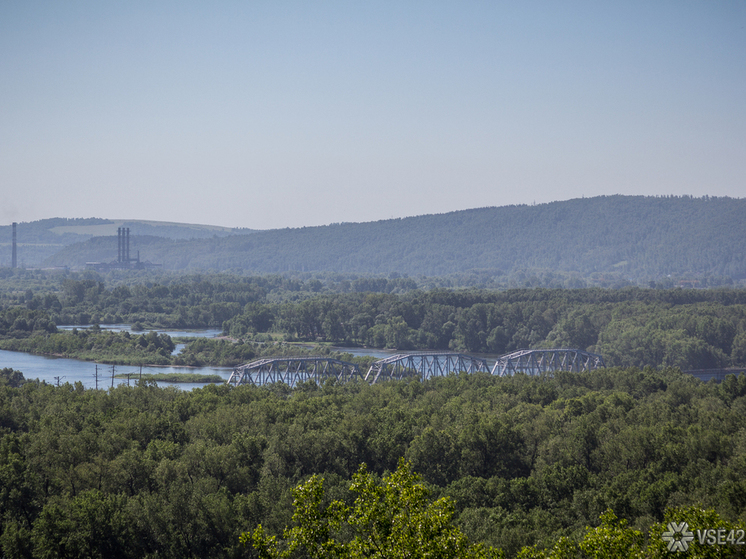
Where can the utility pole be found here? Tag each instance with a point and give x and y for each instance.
(58, 379)
(96, 376)
(112, 376)
(15, 254)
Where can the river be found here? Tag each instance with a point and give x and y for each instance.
(59, 370)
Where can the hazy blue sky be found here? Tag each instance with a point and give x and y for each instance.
(268, 114)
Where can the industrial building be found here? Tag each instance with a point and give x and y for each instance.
(124, 261)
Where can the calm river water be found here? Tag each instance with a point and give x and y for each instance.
(72, 371)
(50, 369)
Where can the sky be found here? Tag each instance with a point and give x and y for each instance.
(273, 114)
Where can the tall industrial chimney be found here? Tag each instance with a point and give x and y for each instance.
(15, 254)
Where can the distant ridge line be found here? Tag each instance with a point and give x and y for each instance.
(626, 238)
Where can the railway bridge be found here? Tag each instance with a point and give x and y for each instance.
(293, 370)
(536, 362)
(424, 365)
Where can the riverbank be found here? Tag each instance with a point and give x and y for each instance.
(96, 345)
(123, 349)
(61, 370)
(173, 377)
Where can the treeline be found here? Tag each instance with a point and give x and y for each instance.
(686, 328)
(94, 344)
(631, 327)
(169, 300)
(151, 348)
(33, 332)
(149, 472)
(20, 322)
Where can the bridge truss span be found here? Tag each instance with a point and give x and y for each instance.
(424, 365)
(294, 370)
(537, 362)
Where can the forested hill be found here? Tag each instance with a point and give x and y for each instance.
(634, 237)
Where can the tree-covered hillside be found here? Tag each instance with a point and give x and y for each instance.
(630, 237)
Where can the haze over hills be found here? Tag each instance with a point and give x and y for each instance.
(38, 240)
(633, 237)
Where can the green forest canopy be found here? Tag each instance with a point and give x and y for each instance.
(146, 472)
(686, 328)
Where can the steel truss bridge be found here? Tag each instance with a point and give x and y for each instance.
(424, 365)
(536, 362)
(293, 370)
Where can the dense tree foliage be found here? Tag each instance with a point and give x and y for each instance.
(178, 302)
(687, 328)
(11, 377)
(392, 519)
(630, 327)
(146, 472)
(614, 539)
(96, 345)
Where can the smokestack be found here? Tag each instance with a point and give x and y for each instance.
(15, 254)
(128, 244)
(119, 244)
